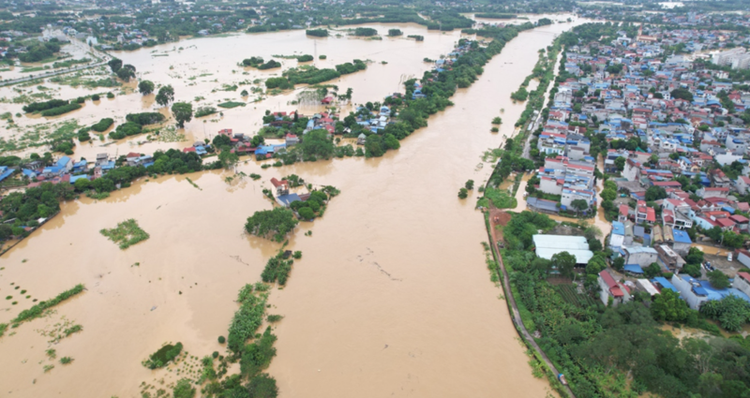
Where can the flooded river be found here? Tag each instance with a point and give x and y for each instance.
(391, 298)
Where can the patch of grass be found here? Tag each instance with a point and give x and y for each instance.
(66, 360)
(37, 310)
(500, 199)
(274, 318)
(126, 234)
(72, 329)
(3, 328)
(230, 104)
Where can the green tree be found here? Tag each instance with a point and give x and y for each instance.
(183, 112)
(126, 73)
(146, 87)
(115, 64)
(271, 224)
(565, 262)
(653, 270)
(469, 185)
(579, 205)
(306, 213)
(732, 312)
(317, 144)
(668, 306)
(183, 389)
(618, 263)
(228, 158)
(165, 95)
(620, 163)
(82, 185)
(718, 279)
(463, 193)
(654, 193)
(263, 386)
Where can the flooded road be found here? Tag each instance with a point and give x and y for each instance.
(391, 298)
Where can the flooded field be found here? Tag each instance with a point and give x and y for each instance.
(392, 295)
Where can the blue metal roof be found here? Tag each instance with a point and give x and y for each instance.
(681, 236)
(665, 284)
(633, 268)
(618, 228)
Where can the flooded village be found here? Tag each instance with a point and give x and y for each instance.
(605, 170)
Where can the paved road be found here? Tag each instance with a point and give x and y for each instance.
(61, 71)
(516, 316)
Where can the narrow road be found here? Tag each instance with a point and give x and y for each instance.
(93, 52)
(516, 315)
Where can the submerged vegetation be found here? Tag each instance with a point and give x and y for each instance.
(163, 356)
(126, 234)
(38, 310)
(271, 224)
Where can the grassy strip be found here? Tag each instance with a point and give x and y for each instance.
(37, 310)
(230, 104)
(3, 328)
(247, 319)
(126, 234)
(62, 109)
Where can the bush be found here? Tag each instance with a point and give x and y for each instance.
(205, 111)
(305, 58)
(395, 32)
(145, 118)
(463, 193)
(222, 340)
(163, 356)
(61, 109)
(125, 130)
(270, 65)
(41, 106)
(103, 124)
(183, 389)
(365, 32)
(95, 97)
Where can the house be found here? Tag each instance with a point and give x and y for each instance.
(132, 158)
(706, 192)
(282, 187)
(742, 185)
(696, 292)
(542, 205)
(102, 159)
(681, 241)
(645, 285)
(669, 258)
(662, 283)
(624, 211)
(291, 139)
(611, 290)
(617, 237)
(644, 214)
(549, 245)
(743, 256)
(5, 172)
(742, 282)
(640, 255)
(62, 166)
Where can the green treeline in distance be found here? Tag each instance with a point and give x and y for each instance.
(495, 15)
(317, 32)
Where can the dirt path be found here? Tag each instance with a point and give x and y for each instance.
(500, 217)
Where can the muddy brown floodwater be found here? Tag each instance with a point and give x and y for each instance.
(391, 298)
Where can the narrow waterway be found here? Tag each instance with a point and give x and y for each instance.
(391, 298)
